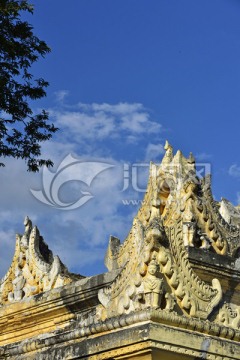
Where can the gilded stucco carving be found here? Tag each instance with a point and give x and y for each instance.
(158, 279)
(153, 285)
(176, 214)
(229, 315)
(34, 269)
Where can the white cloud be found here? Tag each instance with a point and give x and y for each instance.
(118, 109)
(57, 149)
(79, 237)
(154, 151)
(7, 240)
(102, 121)
(203, 156)
(83, 126)
(234, 171)
(61, 95)
(91, 132)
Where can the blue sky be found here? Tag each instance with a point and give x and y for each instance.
(124, 76)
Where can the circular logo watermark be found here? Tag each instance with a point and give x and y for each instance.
(70, 169)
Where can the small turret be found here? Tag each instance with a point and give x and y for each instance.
(169, 153)
(191, 159)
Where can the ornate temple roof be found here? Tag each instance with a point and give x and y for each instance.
(34, 269)
(179, 268)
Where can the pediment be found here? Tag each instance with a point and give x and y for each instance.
(34, 268)
(178, 214)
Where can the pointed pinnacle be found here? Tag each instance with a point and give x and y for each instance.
(191, 159)
(167, 145)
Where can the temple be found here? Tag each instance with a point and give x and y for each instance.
(171, 292)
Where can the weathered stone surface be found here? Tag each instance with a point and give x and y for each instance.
(34, 269)
(172, 290)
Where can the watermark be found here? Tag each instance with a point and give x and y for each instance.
(70, 169)
(132, 174)
(132, 202)
(133, 177)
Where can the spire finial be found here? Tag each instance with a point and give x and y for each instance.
(167, 145)
(191, 159)
(169, 153)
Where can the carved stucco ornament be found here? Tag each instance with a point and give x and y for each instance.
(229, 315)
(34, 269)
(177, 212)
